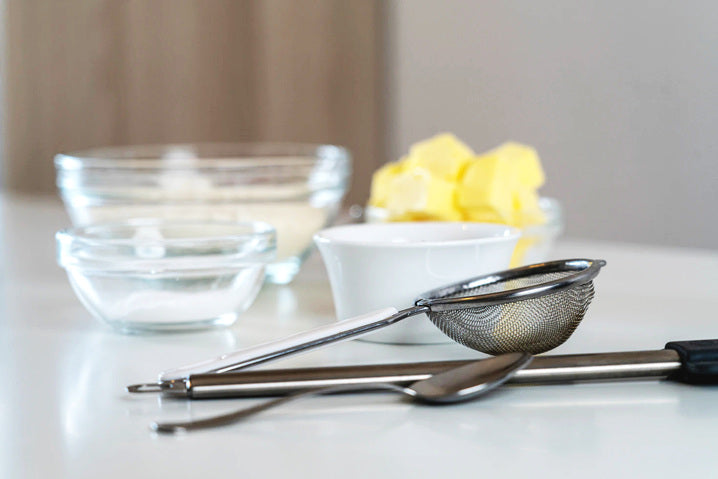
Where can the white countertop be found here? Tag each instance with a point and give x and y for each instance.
(64, 411)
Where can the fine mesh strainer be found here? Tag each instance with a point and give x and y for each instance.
(530, 309)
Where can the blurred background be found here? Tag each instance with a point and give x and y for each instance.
(619, 98)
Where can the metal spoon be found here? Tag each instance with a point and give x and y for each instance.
(459, 384)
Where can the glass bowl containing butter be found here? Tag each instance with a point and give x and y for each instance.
(442, 179)
(297, 188)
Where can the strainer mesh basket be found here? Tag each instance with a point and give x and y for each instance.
(532, 325)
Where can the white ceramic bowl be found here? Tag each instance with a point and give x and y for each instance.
(379, 265)
(160, 276)
(297, 188)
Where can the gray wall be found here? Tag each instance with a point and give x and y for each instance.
(619, 97)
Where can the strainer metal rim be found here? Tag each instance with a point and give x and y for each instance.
(436, 299)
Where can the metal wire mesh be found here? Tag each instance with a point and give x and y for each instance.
(532, 325)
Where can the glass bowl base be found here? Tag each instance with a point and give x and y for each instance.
(143, 327)
(283, 272)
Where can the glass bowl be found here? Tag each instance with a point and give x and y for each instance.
(296, 188)
(152, 275)
(535, 243)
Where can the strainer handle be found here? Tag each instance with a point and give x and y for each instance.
(331, 333)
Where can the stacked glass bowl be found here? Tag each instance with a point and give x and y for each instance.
(296, 188)
(125, 200)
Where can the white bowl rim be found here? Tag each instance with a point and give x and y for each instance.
(491, 233)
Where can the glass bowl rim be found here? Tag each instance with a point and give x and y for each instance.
(549, 205)
(70, 241)
(225, 155)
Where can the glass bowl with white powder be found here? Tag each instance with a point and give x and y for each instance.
(297, 188)
(156, 275)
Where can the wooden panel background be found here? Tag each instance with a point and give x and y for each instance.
(106, 72)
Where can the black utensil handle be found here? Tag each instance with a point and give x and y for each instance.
(699, 361)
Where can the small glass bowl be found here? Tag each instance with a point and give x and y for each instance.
(297, 188)
(151, 275)
(535, 243)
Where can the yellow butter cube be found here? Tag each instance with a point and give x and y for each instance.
(525, 164)
(485, 215)
(443, 156)
(380, 182)
(416, 193)
(526, 210)
(487, 185)
(442, 180)
(503, 181)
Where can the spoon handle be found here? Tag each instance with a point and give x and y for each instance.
(236, 416)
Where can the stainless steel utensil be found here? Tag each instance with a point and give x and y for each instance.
(529, 309)
(694, 362)
(459, 384)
